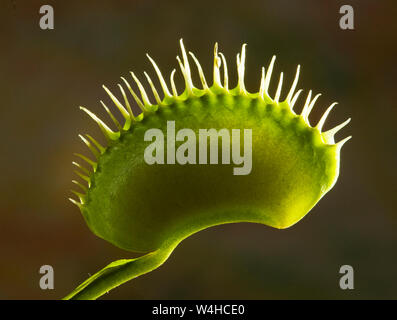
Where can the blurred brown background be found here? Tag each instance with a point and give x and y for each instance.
(45, 75)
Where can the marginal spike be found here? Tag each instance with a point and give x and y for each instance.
(186, 66)
(324, 116)
(342, 142)
(294, 83)
(90, 146)
(200, 71)
(238, 61)
(217, 65)
(310, 107)
(225, 73)
(296, 96)
(161, 78)
(306, 106)
(185, 59)
(75, 202)
(269, 75)
(118, 104)
(330, 134)
(155, 93)
(93, 164)
(262, 84)
(96, 143)
(109, 134)
(84, 177)
(83, 187)
(81, 167)
(175, 93)
(241, 69)
(115, 121)
(142, 90)
(278, 91)
(137, 100)
(188, 80)
(127, 103)
(79, 195)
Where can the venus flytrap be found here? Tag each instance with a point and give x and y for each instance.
(133, 199)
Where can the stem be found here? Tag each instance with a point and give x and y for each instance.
(119, 272)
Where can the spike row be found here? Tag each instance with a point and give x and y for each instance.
(184, 65)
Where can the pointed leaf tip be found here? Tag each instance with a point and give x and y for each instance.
(108, 133)
(330, 134)
(342, 142)
(75, 202)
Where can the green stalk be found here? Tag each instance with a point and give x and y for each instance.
(119, 272)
